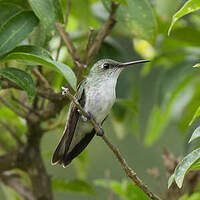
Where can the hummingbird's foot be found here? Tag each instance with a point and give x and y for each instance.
(100, 132)
(85, 119)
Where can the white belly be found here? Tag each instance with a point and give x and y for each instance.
(100, 99)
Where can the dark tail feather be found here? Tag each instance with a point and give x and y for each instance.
(61, 154)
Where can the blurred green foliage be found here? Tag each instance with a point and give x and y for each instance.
(28, 36)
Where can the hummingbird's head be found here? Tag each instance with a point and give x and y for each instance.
(111, 68)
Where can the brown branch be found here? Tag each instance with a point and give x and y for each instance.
(89, 42)
(50, 95)
(12, 133)
(45, 93)
(13, 181)
(67, 12)
(105, 30)
(129, 172)
(40, 180)
(41, 78)
(6, 84)
(57, 55)
(66, 39)
(9, 161)
(24, 105)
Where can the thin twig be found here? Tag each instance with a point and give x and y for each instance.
(129, 172)
(67, 13)
(58, 53)
(41, 78)
(6, 84)
(24, 105)
(89, 42)
(12, 133)
(14, 181)
(70, 46)
(21, 114)
(105, 30)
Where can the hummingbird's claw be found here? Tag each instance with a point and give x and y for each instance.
(89, 116)
(85, 119)
(100, 132)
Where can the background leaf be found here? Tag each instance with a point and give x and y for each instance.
(7, 11)
(195, 135)
(40, 56)
(138, 18)
(171, 180)
(159, 117)
(21, 78)
(126, 189)
(20, 3)
(185, 165)
(58, 11)
(188, 7)
(45, 11)
(16, 30)
(74, 186)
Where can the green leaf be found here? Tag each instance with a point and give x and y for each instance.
(138, 18)
(58, 11)
(126, 188)
(195, 135)
(171, 180)
(40, 56)
(171, 87)
(186, 39)
(188, 7)
(39, 51)
(185, 165)
(45, 11)
(118, 187)
(194, 196)
(73, 186)
(7, 11)
(21, 78)
(134, 192)
(122, 2)
(154, 129)
(197, 65)
(21, 3)
(16, 30)
(9, 193)
(196, 114)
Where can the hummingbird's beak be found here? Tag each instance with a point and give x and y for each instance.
(132, 63)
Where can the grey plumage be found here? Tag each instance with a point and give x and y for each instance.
(96, 94)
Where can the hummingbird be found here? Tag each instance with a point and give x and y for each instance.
(96, 94)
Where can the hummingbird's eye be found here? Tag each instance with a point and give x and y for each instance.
(106, 65)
